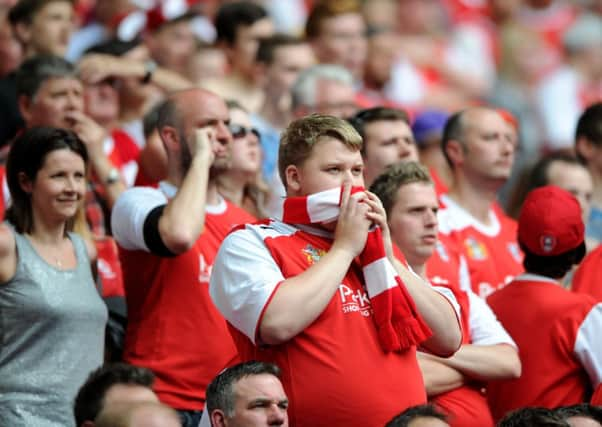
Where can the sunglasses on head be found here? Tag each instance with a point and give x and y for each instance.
(239, 131)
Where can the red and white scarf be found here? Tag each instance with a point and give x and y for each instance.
(398, 323)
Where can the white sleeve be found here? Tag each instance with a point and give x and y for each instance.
(243, 279)
(485, 329)
(588, 344)
(129, 214)
(451, 299)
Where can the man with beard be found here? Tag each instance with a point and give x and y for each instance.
(168, 238)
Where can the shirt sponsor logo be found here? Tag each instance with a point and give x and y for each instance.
(355, 300)
(204, 269)
(312, 254)
(475, 249)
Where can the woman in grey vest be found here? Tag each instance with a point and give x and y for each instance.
(52, 318)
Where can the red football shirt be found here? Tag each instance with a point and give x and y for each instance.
(587, 278)
(558, 336)
(173, 327)
(335, 372)
(491, 251)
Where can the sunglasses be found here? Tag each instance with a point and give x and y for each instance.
(239, 131)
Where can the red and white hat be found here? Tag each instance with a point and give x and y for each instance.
(167, 11)
(550, 222)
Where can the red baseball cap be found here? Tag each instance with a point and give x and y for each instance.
(550, 222)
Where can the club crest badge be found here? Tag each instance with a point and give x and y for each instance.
(547, 243)
(312, 254)
(475, 249)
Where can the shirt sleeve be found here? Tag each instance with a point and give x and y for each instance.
(588, 345)
(243, 280)
(485, 329)
(129, 215)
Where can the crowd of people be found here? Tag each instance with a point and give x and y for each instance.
(302, 212)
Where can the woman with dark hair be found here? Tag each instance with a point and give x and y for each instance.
(52, 319)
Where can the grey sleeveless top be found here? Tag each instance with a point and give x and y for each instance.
(52, 325)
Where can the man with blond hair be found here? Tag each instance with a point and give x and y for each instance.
(320, 293)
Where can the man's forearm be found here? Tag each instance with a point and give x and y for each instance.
(438, 377)
(486, 362)
(184, 216)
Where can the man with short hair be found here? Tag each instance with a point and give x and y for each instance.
(388, 139)
(479, 146)
(337, 33)
(588, 146)
(324, 89)
(247, 394)
(43, 27)
(561, 354)
(280, 59)
(111, 384)
(419, 416)
(487, 353)
(168, 238)
(307, 293)
(51, 94)
(581, 415)
(240, 25)
(532, 417)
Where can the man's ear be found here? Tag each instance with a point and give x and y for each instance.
(217, 418)
(585, 148)
(25, 103)
(455, 151)
(23, 33)
(170, 137)
(293, 179)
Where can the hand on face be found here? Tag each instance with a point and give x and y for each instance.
(378, 216)
(205, 142)
(91, 133)
(353, 224)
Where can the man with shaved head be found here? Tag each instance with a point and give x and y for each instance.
(479, 146)
(168, 238)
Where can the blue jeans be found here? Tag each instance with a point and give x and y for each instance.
(190, 418)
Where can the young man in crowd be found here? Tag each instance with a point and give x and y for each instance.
(43, 27)
(293, 290)
(109, 385)
(561, 351)
(337, 33)
(479, 146)
(487, 353)
(168, 238)
(388, 139)
(240, 25)
(247, 394)
(280, 59)
(588, 145)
